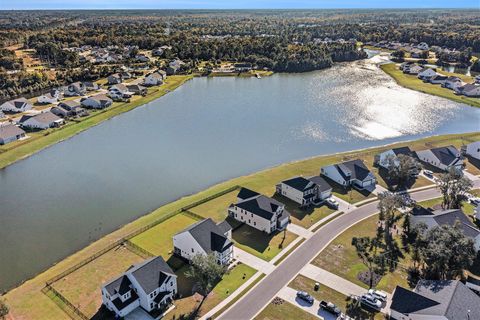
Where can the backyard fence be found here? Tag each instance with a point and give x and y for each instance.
(72, 311)
(138, 250)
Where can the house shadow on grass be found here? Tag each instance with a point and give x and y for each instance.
(347, 191)
(474, 162)
(103, 314)
(392, 184)
(294, 208)
(253, 238)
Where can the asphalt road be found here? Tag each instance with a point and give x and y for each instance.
(253, 302)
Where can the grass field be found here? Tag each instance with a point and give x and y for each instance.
(412, 82)
(28, 302)
(82, 287)
(304, 217)
(216, 208)
(341, 258)
(328, 294)
(158, 240)
(284, 311)
(38, 142)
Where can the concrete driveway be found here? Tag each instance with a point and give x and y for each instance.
(138, 314)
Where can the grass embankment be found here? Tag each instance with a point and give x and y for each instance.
(412, 82)
(28, 302)
(283, 311)
(38, 141)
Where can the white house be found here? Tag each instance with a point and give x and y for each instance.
(205, 237)
(153, 79)
(99, 101)
(414, 70)
(452, 83)
(435, 300)
(16, 105)
(10, 133)
(473, 150)
(259, 211)
(443, 158)
(305, 191)
(75, 89)
(469, 90)
(433, 218)
(350, 173)
(383, 159)
(150, 285)
(41, 121)
(119, 91)
(50, 97)
(426, 73)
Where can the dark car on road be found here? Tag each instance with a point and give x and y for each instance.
(305, 296)
(330, 307)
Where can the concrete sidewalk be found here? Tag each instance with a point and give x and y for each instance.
(470, 176)
(344, 205)
(379, 189)
(252, 261)
(298, 230)
(332, 280)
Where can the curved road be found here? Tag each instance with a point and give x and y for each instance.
(256, 299)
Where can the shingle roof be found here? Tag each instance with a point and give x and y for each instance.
(446, 155)
(450, 217)
(209, 236)
(70, 104)
(322, 184)
(120, 285)
(449, 299)
(402, 150)
(152, 273)
(299, 183)
(247, 193)
(261, 206)
(44, 117)
(9, 131)
(356, 168)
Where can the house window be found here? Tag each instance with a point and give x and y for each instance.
(193, 250)
(254, 223)
(151, 305)
(248, 220)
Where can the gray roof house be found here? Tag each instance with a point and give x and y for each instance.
(382, 159)
(205, 237)
(259, 211)
(150, 285)
(16, 105)
(435, 299)
(99, 101)
(350, 173)
(443, 158)
(433, 218)
(305, 191)
(10, 133)
(114, 78)
(75, 89)
(41, 121)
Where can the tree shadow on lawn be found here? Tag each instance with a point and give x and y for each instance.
(253, 238)
(345, 191)
(294, 208)
(392, 184)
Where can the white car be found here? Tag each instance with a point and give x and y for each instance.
(371, 301)
(428, 173)
(379, 295)
(332, 203)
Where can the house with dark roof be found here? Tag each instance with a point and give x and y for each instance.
(114, 79)
(443, 158)
(350, 173)
(68, 108)
(99, 101)
(150, 285)
(205, 237)
(435, 299)
(41, 121)
(16, 105)
(10, 133)
(433, 218)
(259, 211)
(75, 89)
(305, 191)
(383, 159)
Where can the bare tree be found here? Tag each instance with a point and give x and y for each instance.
(367, 252)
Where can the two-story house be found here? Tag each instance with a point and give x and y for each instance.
(383, 159)
(305, 191)
(443, 158)
(150, 285)
(205, 237)
(350, 173)
(259, 211)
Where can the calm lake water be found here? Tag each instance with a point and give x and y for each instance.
(207, 131)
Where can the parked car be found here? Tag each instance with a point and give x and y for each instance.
(305, 296)
(428, 173)
(332, 203)
(379, 295)
(370, 301)
(330, 307)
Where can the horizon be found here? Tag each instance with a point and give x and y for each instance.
(236, 5)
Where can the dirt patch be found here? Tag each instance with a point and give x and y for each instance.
(364, 276)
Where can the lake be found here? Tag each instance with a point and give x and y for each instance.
(209, 130)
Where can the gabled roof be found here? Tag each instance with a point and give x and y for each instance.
(322, 184)
(70, 104)
(18, 103)
(119, 285)
(44, 117)
(446, 155)
(299, 183)
(152, 273)
(353, 169)
(9, 131)
(261, 206)
(209, 235)
(406, 301)
(402, 150)
(247, 193)
(450, 217)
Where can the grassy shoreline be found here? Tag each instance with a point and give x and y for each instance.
(413, 83)
(33, 145)
(28, 302)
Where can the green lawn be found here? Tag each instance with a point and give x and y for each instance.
(284, 311)
(216, 208)
(21, 149)
(158, 240)
(341, 258)
(82, 287)
(28, 302)
(412, 82)
(188, 302)
(304, 217)
(467, 208)
(261, 244)
(302, 283)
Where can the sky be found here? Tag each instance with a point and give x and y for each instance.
(233, 4)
